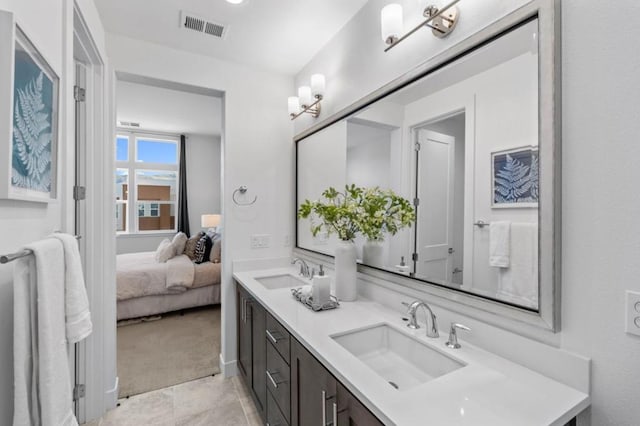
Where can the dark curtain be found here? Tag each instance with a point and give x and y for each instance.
(183, 209)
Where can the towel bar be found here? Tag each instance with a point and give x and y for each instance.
(22, 253)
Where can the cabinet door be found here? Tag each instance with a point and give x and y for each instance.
(244, 335)
(351, 412)
(259, 355)
(313, 389)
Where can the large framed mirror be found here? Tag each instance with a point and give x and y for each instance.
(471, 140)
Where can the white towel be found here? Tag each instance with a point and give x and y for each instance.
(519, 283)
(499, 240)
(42, 386)
(78, 316)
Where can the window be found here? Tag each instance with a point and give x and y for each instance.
(146, 192)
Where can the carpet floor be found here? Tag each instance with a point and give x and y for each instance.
(174, 349)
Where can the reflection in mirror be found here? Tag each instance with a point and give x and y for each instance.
(462, 144)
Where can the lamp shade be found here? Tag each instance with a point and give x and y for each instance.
(391, 22)
(210, 220)
(304, 93)
(294, 104)
(317, 84)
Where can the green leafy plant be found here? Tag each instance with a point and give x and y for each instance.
(384, 212)
(370, 211)
(338, 212)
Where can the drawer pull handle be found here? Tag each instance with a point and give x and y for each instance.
(273, 336)
(324, 408)
(335, 414)
(272, 380)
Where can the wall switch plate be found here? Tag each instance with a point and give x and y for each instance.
(633, 313)
(259, 241)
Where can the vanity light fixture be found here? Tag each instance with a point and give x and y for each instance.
(441, 21)
(308, 99)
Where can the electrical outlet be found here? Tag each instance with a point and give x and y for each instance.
(259, 241)
(633, 313)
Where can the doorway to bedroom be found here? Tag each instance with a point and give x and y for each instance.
(167, 171)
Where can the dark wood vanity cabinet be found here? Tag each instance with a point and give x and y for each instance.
(252, 348)
(288, 384)
(313, 389)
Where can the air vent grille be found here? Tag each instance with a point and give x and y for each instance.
(214, 29)
(191, 21)
(128, 124)
(194, 23)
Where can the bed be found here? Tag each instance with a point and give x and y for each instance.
(147, 287)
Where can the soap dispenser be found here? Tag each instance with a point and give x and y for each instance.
(320, 288)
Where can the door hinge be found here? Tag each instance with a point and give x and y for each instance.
(416, 202)
(79, 94)
(414, 257)
(79, 392)
(417, 146)
(79, 193)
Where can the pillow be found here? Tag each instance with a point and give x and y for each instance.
(216, 251)
(203, 249)
(190, 246)
(165, 251)
(179, 242)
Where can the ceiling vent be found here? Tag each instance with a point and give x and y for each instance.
(128, 124)
(191, 21)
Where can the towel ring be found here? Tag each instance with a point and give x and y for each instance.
(242, 190)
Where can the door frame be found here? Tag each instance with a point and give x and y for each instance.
(96, 355)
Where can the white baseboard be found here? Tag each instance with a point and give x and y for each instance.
(228, 369)
(111, 396)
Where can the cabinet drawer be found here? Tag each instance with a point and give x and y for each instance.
(279, 337)
(278, 380)
(274, 415)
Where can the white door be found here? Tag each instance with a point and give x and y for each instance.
(435, 209)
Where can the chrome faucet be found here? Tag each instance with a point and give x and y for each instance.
(432, 330)
(453, 335)
(304, 268)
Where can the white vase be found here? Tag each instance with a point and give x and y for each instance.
(346, 268)
(373, 253)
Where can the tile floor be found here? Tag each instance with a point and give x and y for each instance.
(203, 402)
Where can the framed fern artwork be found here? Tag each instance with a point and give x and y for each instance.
(30, 146)
(515, 178)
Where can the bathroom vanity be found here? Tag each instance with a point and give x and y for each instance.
(360, 365)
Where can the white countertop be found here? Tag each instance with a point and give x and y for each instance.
(489, 390)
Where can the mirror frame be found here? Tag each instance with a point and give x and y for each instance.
(547, 317)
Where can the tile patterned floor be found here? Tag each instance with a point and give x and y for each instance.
(204, 402)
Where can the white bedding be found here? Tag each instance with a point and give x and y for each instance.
(139, 275)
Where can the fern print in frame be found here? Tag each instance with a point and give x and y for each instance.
(34, 117)
(515, 178)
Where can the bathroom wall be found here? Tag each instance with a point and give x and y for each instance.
(600, 203)
(257, 150)
(49, 25)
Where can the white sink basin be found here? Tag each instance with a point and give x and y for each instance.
(400, 359)
(274, 282)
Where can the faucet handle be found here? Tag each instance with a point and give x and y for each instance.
(453, 335)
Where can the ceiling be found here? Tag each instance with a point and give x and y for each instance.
(277, 35)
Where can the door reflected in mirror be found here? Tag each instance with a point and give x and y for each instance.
(460, 143)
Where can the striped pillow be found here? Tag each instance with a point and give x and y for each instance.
(203, 250)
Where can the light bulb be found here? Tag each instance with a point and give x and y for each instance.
(317, 85)
(294, 105)
(391, 22)
(304, 93)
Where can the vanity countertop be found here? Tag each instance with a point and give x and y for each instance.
(489, 390)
